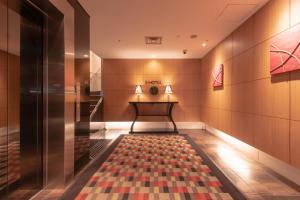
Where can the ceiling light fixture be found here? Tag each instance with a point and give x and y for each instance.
(204, 43)
(85, 55)
(153, 40)
(153, 56)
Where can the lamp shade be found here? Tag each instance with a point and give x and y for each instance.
(138, 89)
(168, 90)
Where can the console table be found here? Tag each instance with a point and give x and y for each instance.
(169, 107)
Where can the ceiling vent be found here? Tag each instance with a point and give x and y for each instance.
(153, 40)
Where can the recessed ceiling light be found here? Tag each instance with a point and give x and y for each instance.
(85, 55)
(204, 43)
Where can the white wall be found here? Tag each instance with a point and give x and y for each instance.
(95, 72)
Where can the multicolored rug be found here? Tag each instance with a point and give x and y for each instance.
(158, 167)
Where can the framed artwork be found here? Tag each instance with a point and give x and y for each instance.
(218, 74)
(285, 51)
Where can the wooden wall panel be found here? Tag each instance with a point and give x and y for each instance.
(224, 50)
(243, 37)
(280, 87)
(242, 67)
(272, 19)
(295, 143)
(263, 97)
(281, 139)
(295, 96)
(227, 71)
(263, 133)
(261, 60)
(262, 111)
(295, 14)
(121, 75)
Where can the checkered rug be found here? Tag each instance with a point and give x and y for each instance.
(156, 167)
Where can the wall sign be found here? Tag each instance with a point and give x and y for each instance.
(152, 82)
(285, 51)
(218, 74)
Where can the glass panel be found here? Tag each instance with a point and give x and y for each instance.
(14, 21)
(3, 96)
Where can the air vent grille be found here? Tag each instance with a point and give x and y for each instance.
(153, 40)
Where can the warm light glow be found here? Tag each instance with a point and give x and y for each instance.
(85, 55)
(204, 44)
(69, 54)
(153, 56)
(138, 89)
(234, 161)
(168, 90)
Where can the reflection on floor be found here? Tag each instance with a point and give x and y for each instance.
(253, 179)
(96, 146)
(54, 194)
(21, 194)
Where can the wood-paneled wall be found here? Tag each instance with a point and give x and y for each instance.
(254, 107)
(121, 75)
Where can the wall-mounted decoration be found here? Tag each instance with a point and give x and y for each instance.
(154, 90)
(285, 51)
(218, 76)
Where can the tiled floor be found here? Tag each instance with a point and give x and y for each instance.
(49, 194)
(253, 179)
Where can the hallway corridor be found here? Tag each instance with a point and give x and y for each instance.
(121, 170)
(149, 100)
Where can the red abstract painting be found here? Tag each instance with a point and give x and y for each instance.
(285, 51)
(218, 76)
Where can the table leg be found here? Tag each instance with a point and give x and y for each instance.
(171, 118)
(135, 118)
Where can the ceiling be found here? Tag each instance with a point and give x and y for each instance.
(119, 27)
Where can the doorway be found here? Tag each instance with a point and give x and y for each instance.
(25, 100)
(31, 99)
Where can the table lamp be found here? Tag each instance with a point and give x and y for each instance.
(138, 91)
(168, 91)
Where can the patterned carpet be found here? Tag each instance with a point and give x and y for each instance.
(158, 167)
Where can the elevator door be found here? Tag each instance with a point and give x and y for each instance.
(31, 98)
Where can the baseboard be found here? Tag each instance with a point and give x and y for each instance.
(282, 168)
(97, 125)
(190, 125)
(153, 125)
